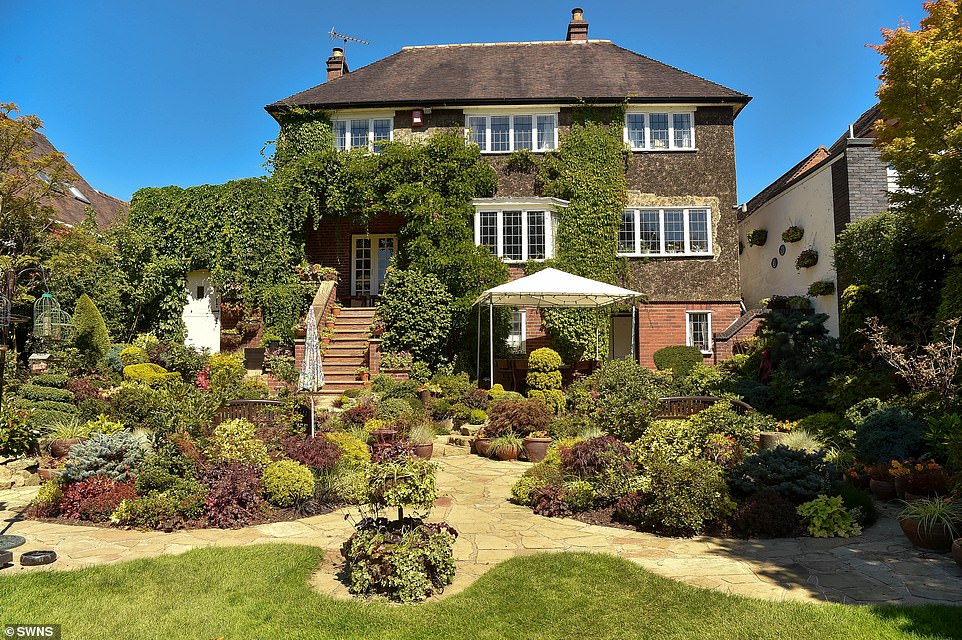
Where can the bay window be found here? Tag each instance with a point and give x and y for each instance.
(660, 131)
(511, 132)
(665, 232)
(515, 235)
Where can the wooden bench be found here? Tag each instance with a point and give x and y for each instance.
(681, 407)
(261, 412)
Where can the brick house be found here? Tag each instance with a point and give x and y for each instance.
(823, 193)
(679, 230)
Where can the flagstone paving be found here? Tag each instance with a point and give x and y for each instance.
(879, 567)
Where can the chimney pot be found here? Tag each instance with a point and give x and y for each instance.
(336, 64)
(577, 28)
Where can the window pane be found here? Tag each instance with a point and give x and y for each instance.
(522, 132)
(477, 127)
(535, 235)
(382, 129)
(488, 230)
(698, 331)
(546, 132)
(682, 125)
(636, 130)
(626, 233)
(501, 133)
(516, 333)
(698, 230)
(512, 235)
(362, 266)
(340, 134)
(659, 130)
(674, 231)
(358, 133)
(650, 231)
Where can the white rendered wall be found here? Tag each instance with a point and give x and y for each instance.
(201, 314)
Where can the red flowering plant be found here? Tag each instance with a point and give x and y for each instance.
(203, 379)
(95, 498)
(927, 479)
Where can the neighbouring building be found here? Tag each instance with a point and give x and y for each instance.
(823, 193)
(678, 231)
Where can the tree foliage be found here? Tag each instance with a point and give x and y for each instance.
(416, 310)
(90, 334)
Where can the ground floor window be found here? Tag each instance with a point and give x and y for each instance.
(518, 333)
(699, 330)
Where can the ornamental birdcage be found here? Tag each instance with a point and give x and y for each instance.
(4, 311)
(50, 322)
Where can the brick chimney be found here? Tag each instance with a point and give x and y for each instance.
(336, 64)
(578, 27)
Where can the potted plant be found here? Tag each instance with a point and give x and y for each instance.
(881, 484)
(326, 336)
(300, 329)
(505, 447)
(900, 475)
(231, 310)
(536, 445)
(421, 438)
(329, 323)
(821, 288)
(362, 373)
(926, 480)
(336, 309)
(757, 237)
(377, 328)
(482, 443)
(932, 524)
(793, 234)
(806, 259)
(230, 339)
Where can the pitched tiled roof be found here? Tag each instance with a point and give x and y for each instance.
(510, 73)
(68, 207)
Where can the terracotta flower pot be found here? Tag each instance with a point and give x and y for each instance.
(882, 489)
(48, 473)
(938, 538)
(424, 450)
(61, 448)
(957, 552)
(535, 449)
(335, 311)
(481, 446)
(508, 453)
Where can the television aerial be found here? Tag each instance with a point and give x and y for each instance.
(345, 38)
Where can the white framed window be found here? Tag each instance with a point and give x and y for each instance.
(504, 133)
(361, 133)
(665, 232)
(698, 330)
(517, 334)
(660, 130)
(515, 235)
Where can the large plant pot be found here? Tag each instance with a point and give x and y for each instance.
(957, 552)
(254, 358)
(882, 489)
(535, 449)
(900, 485)
(508, 453)
(48, 473)
(424, 450)
(481, 446)
(937, 538)
(770, 439)
(61, 448)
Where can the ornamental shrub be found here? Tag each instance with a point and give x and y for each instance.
(390, 408)
(133, 355)
(90, 335)
(406, 482)
(235, 441)
(167, 510)
(174, 355)
(18, 433)
(288, 483)
(889, 434)
(354, 452)
(92, 408)
(862, 409)
(233, 497)
(113, 357)
(94, 498)
(416, 310)
(520, 417)
(549, 501)
(766, 515)
(621, 398)
(360, 413)
(858, 502)
(705, 380)
(544, 370)
(40, 393)
(318, 453)
(116, 456)
(407, 561)
(722, 418)
(579, 495)
(679, 359)
(84, 389)
(55, 380)
(149, 373)
(47, 502)
(795, 475)
(677, 497)
(226, 373)
(138, 405)
(477, 416)
(546, 472)
(827, 517)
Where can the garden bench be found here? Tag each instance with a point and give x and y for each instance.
(681, 407)
(256, 411)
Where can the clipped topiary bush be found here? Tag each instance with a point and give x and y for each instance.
(416, 310)
(56, 380)
(149, 373)
(90, 335)
(679, 359)
(235, 441)
(133, 355)
(795, 475)
(288, 483)
(889, 434)
(115, 455)
(39, 393)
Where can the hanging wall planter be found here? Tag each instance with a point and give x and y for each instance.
(758, 237)
(821, 288)
(792, 234)
(806, 259)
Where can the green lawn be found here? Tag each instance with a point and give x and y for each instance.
(262, 592)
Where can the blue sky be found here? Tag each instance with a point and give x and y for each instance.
(149, 94)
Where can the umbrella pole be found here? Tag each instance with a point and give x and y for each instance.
(312, 415)
(491, 341)
(478, 361)
(597, 334)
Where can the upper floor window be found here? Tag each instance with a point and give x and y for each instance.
(515, 235)
(654, 232)
(506, 133)
(361, 133)
(660, 130)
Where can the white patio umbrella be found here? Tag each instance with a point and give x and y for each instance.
(551, 288)
(311, 378)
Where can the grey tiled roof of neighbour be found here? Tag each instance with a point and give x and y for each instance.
(511, 73)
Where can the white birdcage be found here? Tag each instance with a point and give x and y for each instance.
(50, 322)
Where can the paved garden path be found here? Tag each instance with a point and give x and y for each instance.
(877, 567)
